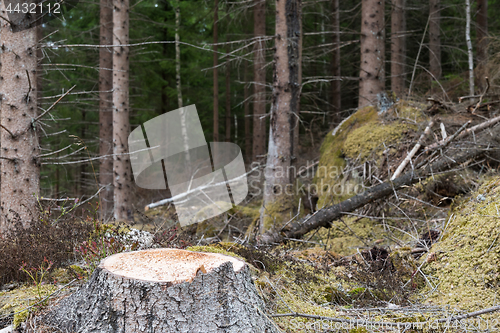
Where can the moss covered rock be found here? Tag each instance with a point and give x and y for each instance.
(365, 134)
(465, 264)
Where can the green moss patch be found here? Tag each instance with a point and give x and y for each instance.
(362, 136)
(465, 265)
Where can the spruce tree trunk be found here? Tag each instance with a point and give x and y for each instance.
(398, 47)
(162, 291)
(335, 84)
(106, 109)
(20, 165)
(216, 73)
(482, 41)
(435, 39)
(178, 54)
(259, 78)
(228, 95)
(279, 198)
(121, 126)
(372, 74)
(248, 119)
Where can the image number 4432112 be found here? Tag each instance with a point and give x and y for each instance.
(34, 8)
(26, 14)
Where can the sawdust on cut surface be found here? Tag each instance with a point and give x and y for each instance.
(165, 265)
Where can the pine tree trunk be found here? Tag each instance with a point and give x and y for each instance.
(121, 126)
(178, 54)
(248, 119)
(398, 47)
(20, 185)
(335, 84)
(435, 39)
(106, 109)
(216, 73)
(259, 78)
(372, 74)
(279, 200)
(228, 95)
(162, 291)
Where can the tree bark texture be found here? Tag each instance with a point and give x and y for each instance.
(248, 118)
(178, 54)
(335, 84)
(228, 95)
(259, 78)
(216, 73)
(469, 47)
(324, 216)
(482, 41)
(372, 73)
(121, 127)
(435, 38)
(106, 109)
(221, 298)
(20, 165)
(398, 47)
(286, 94)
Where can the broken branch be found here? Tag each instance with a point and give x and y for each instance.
(412, 153)
(324, 216)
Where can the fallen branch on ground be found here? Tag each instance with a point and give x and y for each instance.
(362, 322)
(467, 132)
(324, 216)
(412, 153)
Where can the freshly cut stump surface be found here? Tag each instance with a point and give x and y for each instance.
(163, 290)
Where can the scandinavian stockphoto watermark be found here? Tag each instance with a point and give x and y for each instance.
(204, 180)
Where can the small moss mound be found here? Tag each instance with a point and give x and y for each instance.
(363, 136)
(465, 265)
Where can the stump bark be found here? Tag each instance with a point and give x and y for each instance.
(163, 290)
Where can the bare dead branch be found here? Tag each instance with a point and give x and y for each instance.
(412, 153)
(54, 104)
(324, 217)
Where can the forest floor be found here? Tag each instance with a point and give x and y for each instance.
(415, 261)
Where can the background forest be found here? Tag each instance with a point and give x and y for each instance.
(366, 88)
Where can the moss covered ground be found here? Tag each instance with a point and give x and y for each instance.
(464, 268)
(366, 134)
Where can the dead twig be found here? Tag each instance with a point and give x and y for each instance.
(482, 96)
(444, 143)
(412, 153)
(52, 106)
(5, 128)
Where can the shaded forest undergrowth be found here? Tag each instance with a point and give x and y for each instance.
(398, 259)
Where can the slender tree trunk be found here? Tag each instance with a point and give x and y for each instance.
(398, 47)
(121, 126)
(469, 47)
(216, 73)
(482, 40)
(228, 95)
(435, 38)
(178, 54)
(279, 198)
(335, 84)
(165, 75)
(248, 119)
(83, 166)
(372, 74)
(259, 78)
(20, 186)
(106, 109)
(296, 116)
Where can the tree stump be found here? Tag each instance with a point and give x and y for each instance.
(162, 290)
